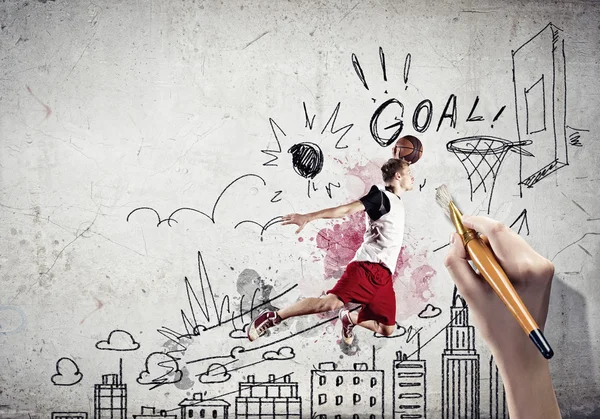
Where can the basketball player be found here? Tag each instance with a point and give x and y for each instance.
(367, 280)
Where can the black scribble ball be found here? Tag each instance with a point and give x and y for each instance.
(307, 159)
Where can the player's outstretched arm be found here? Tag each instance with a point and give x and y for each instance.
(336, 212)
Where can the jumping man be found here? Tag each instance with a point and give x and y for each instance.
(367, 280)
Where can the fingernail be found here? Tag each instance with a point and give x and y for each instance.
(452, 238)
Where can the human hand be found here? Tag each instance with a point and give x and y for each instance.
(298, 219)
(531, 275)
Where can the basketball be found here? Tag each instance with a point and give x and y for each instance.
(408, 148)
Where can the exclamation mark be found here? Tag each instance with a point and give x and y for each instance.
(406, 69)
(382, 60)
(498, 115)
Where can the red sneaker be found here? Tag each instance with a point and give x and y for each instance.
(347, 327)
(264, 321)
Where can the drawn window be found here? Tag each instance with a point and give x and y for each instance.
(214, 414)
(322, 398)
(339, 380)
(282, 408)
(190, 413)
(373, 382)
(356, 398)
(253, 408)
(338, 400)
(338, 416)
(202, 413)
(322, 380)
(267, 408)
(356, 381)
(535, 106)
(285, 391)
(372, 417)
(356, 416)
(373, 401)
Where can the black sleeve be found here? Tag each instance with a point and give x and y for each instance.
(376, 203)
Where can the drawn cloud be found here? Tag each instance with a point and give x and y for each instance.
(118, 340)
(430, 312)
(238, 334)
(282, 353)
(216, 373)
(67, 373)
(161, 368)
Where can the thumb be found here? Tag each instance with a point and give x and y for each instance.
(466, 280)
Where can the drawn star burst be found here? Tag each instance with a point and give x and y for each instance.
(308, 157)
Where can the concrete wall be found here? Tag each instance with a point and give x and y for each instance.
(144, 162)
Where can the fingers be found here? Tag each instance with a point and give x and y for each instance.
(467, 281)
(505, 243)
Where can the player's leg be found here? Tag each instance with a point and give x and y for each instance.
(305, 306)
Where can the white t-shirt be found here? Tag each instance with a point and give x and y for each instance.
(385, 228)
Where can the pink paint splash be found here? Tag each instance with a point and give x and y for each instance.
(46, 107)
(99, 305)
(339, 245)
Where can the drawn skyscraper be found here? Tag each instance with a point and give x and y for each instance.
(268, 400)
(460, 365)
(110, 398)
(409, 387)
(498, 409)
(338, 393)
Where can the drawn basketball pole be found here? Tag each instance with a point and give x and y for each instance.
(539, 76)
(482, 156)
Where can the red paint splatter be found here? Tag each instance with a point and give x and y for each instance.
(340, 244)
(46, 107)
(300, 239)
(99, 305)
(368, 175)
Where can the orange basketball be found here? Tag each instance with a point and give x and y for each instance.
(408, 148)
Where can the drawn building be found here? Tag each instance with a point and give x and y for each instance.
(69, 415)
(498, 409)
(409, 387)
(110, 398)
(198, 408)
(269, 400)
(150, 413)
(540, 102)
(460, 365)
(338, 393)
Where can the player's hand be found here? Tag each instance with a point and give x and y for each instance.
(298, 219)
(530, 273)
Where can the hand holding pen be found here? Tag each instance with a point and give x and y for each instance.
(525, 372)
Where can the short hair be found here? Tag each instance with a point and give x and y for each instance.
(391, 167)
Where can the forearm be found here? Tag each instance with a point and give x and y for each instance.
(528, 385)
(329, 213)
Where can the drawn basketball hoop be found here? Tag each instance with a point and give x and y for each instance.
(481, 156)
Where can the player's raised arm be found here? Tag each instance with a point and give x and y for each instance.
(336, 212)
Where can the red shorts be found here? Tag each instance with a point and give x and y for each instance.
(369, 284)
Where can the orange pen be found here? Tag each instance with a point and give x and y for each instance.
(485, 261)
